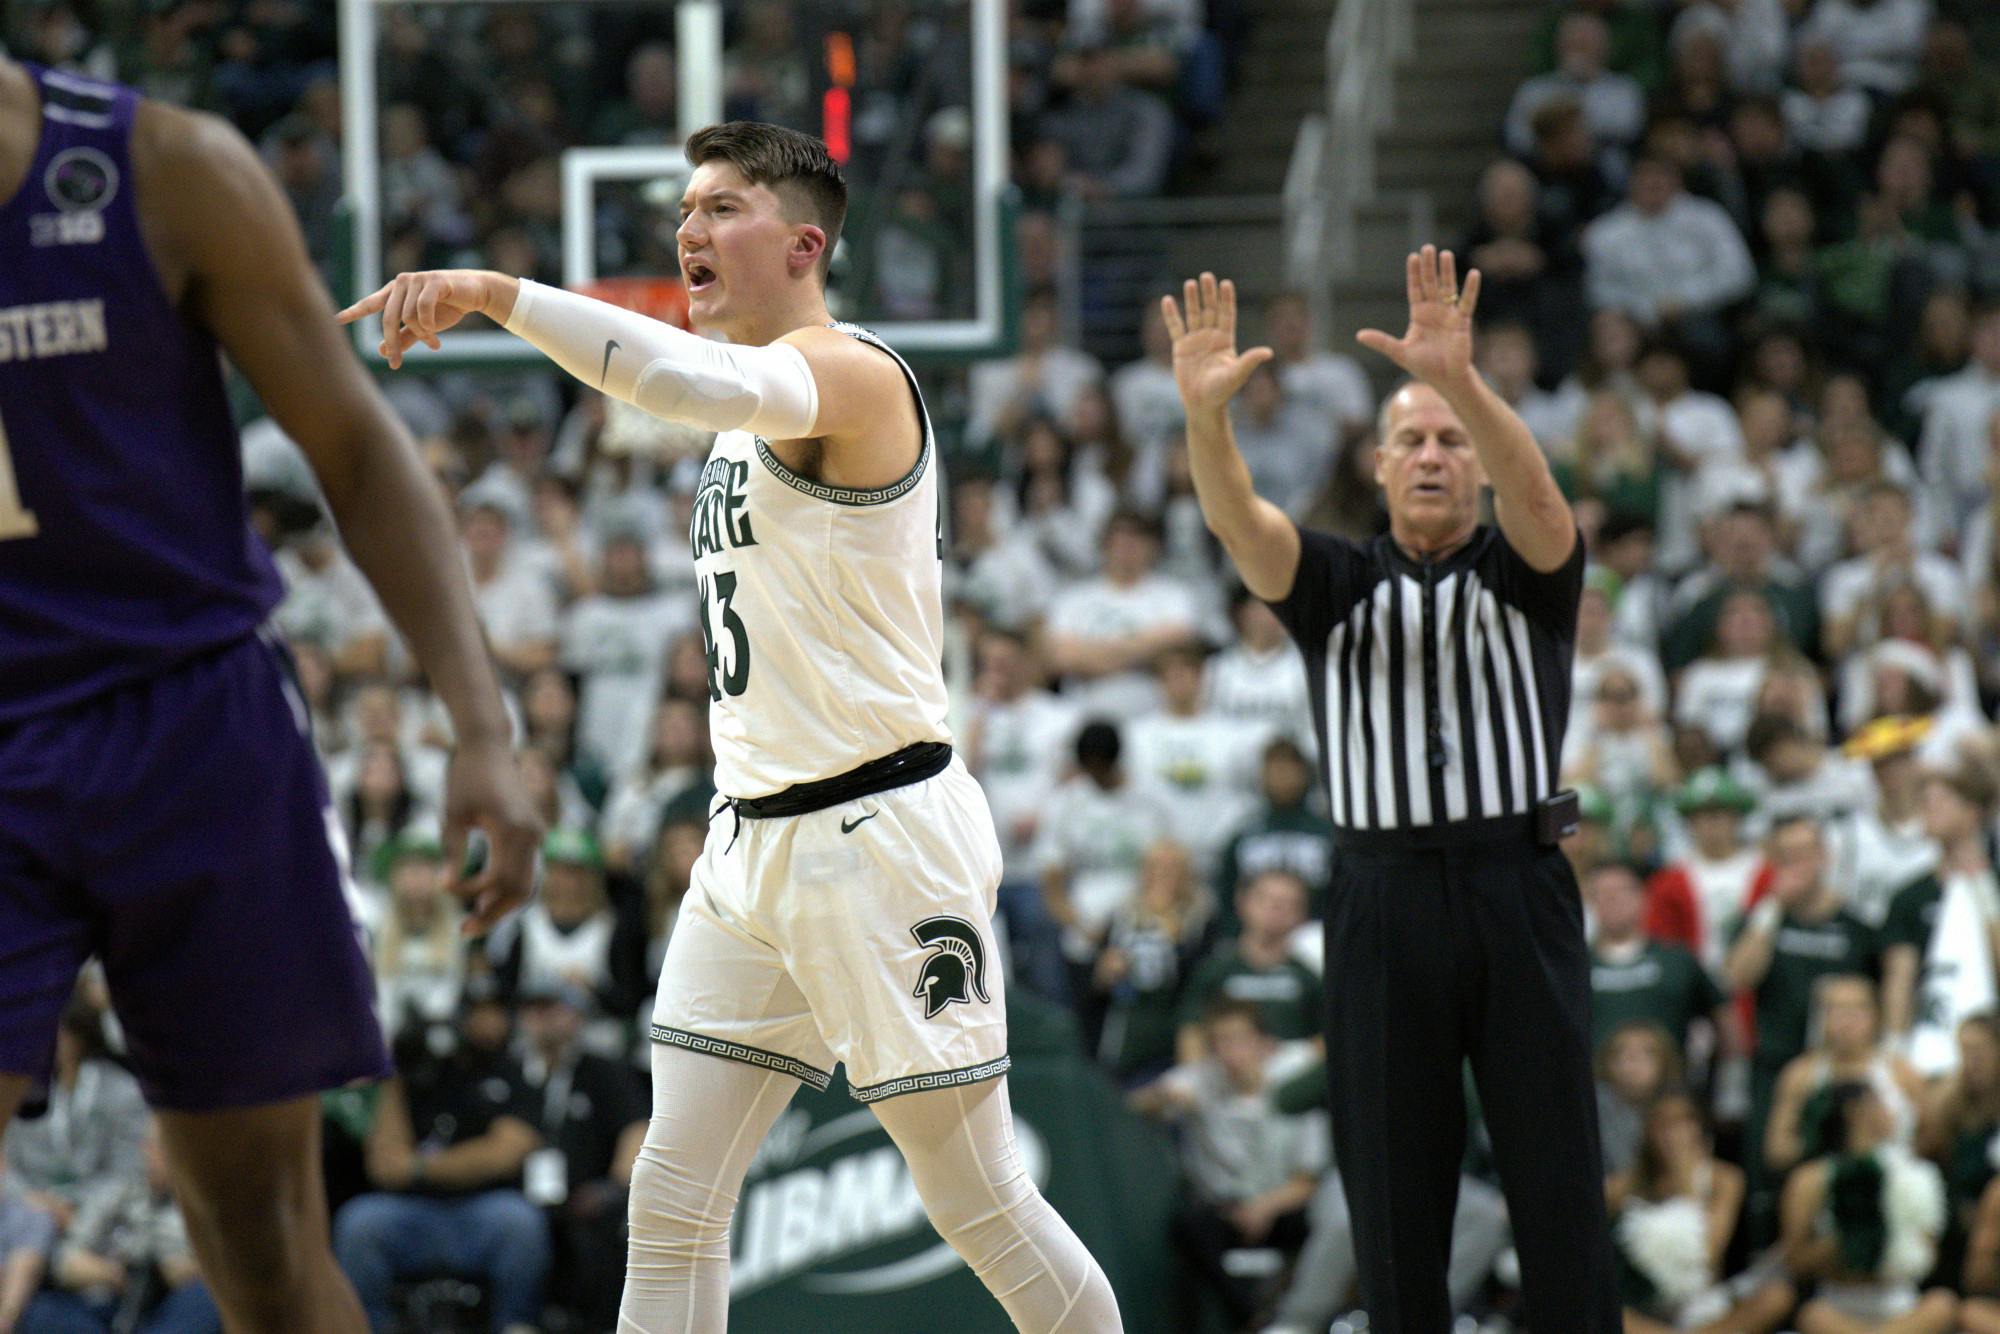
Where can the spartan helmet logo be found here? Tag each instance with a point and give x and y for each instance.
(955, 969)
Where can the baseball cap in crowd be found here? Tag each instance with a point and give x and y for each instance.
(1592, 804)
(571, 847)
(419, 838)
(1887, 737)
(1603, 579)
(1713, 789)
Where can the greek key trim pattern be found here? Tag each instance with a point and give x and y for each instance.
(936, 1079)
(840, 495)
(737, 1051)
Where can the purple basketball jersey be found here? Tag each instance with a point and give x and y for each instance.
(125, 545)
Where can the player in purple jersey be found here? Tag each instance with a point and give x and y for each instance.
(161, 806)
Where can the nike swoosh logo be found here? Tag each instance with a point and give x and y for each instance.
(849, 826)
(610, 346)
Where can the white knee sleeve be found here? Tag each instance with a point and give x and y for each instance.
(959, 1143)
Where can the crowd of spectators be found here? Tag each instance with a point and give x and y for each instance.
(1742, 265)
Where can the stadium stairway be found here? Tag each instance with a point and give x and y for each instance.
(1450, 97)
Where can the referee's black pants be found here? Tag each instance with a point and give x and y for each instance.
(1443, 945)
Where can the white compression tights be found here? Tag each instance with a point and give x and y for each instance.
(709, 1116)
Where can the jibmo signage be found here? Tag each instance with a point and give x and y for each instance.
(831, 1235)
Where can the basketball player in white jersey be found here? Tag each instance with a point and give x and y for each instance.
(841, 910)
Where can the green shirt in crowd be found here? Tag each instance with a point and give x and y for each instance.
(1662, 984)
(1284, 838)
(1803, 953)
(1288, 995)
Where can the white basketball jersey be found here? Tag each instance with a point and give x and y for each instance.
(822, 609)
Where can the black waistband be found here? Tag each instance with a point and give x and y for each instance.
(1518, 830)
(911, 764)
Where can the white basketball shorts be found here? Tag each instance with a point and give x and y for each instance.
(860, 933)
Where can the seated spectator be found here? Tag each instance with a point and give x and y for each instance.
(1839, 1232)
(1061, 500)
(1958, 428)
(445, 1155)
(125, 1262)
(1942, 348)
(419, 951)
(1624, 545)
(378, 716)
(1794, 936)
(1956, 1124)
(1637, 48)
(328, 599)
(514, 605)
(1201, 763)
(1287, 444)
(1331, 384)
(1575, 175)
(1754, 34)
(1614, 105)
(1795, 773)
(27, 1235)
(1042, 378)
(1117, 141)
(549, 724)
(1939, 939)
(678, 761)
(1104, 633)
(1849, 1050)
(1886, 556)
(1000, 573)
(569, 933)
(614, 641)
(1143, 391)
(1252, 1169)
(1823, 114)
(1878, 42)
(1151, 945)
(1697, 94)
(1608, 465)
(1260, 679)
(1598, 651)
(1636, 1065)
(1531, 272)
(1287, 833)
(1673, 1215)
(1668, 258)
(1088, 849)
(593, 1119)
(1718, 691)
(1699, 900)
(91, 1131)
(669, 874)
(649, 111)
(1633, 978)
(379, 806)
(1883, 846)
(1257, 966)
(1626, 752)
(1694, 431)
(1506, 358)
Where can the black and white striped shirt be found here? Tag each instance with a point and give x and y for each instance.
(1440, 689)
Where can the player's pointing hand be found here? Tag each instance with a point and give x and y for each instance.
(417, 307)
(1207, 366)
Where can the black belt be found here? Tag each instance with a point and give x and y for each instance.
(911, 764)
(1543, 827)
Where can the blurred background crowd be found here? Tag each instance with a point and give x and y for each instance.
(1742, 263)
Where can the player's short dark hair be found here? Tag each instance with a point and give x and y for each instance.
(797, 167)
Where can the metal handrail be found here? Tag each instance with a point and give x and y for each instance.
(1332, 171)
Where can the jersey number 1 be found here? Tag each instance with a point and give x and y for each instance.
(734, 679)
(15, 521)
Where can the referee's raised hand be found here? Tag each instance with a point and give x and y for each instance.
(1207, 367)
(1437, 347)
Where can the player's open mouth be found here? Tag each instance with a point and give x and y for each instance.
(699, 276)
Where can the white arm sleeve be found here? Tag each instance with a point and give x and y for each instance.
(669, 372)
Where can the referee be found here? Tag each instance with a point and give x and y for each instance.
(1438, 657)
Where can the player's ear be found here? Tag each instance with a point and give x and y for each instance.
(808, 245)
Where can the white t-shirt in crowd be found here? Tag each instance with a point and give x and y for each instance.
(1265, 688)
(1100, 609)
(619, 647)
(1098, 838)
(1025, 747)
(1205, 769)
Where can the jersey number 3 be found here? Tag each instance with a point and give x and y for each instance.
(736, 677)
(15, 520)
